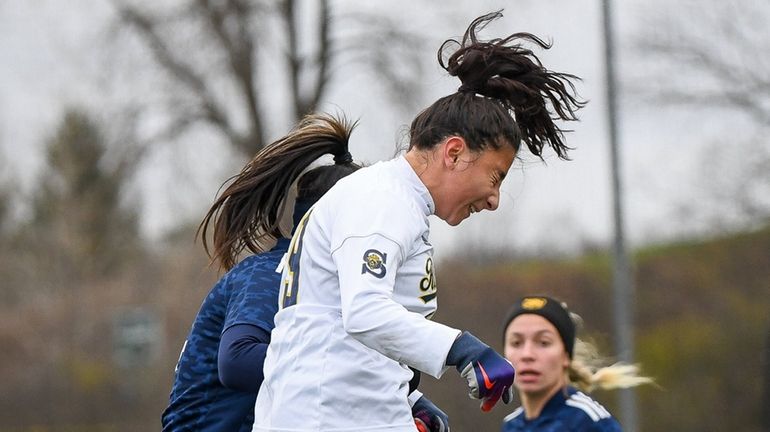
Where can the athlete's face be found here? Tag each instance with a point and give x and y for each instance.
(533, 346)
(472, 183)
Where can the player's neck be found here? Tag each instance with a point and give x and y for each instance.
(534, 402)
(427, 165)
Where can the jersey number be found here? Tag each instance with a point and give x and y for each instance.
(291, 279)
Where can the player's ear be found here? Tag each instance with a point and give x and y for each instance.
(453, 147)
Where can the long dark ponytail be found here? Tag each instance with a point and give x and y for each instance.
(504, 96)
(246, 215)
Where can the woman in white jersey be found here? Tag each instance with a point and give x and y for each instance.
(359, 285)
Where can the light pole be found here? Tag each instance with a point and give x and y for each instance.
(621, 272)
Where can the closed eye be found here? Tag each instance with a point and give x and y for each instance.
(498, 178)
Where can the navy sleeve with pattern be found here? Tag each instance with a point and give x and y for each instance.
(254, 298)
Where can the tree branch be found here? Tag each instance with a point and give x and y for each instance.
(236, 41)
(184, 73)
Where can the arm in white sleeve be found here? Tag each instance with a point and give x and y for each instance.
(370, 315)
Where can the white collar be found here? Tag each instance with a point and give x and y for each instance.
(411, 177)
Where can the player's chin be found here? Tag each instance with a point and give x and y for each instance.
(454, 221)
(458, 217)
(530, 388)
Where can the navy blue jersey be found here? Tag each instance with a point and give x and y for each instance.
(247, 294)
(574, 411)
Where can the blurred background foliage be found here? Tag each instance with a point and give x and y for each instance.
(702, 326)
(94, 314)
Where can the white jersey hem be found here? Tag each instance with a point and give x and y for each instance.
(406, 427)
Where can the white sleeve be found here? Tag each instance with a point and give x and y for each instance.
(414, 397)
(370, 314)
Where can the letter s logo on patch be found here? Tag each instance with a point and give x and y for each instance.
(374, 263)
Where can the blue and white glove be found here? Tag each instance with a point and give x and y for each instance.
(489, 375)
(432, 418)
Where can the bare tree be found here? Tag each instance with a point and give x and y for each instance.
(710, 56)
(233, 65)
(707, 54)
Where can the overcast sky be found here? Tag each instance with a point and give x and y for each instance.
(51, 56)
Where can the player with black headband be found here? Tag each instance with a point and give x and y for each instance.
(359, 281)
(555, 370)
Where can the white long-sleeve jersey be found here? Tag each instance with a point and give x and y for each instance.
(358, 288)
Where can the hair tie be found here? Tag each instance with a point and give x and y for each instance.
(467, 88)
(344, 158)
(470, 89)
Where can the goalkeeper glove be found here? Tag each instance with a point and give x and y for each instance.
(428, 417)
(489, 375)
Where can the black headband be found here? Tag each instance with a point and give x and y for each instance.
(550, 309)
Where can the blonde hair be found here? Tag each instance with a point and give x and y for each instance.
(586, 372)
